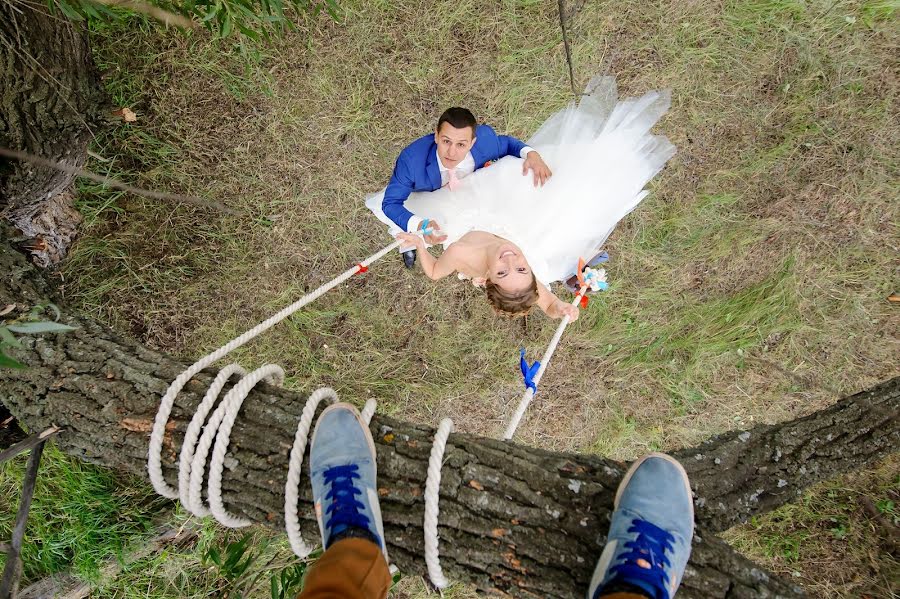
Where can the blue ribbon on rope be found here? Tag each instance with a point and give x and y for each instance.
(528, 371)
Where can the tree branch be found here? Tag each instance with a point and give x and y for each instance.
(113, 183)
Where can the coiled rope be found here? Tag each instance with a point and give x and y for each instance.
(216, 434)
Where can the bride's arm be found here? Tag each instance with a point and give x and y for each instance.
(553, 306)
(433, 268)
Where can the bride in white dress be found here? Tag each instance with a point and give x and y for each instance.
(515, 239)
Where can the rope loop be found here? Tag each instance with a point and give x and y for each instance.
(432, 497)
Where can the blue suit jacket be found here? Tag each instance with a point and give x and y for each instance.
(417, 168)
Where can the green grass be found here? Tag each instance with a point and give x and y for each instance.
(81, 515)
(809, 539)
(212, 562)
(764, 242)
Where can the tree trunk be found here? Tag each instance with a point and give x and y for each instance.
(742, 473)
(514, 519)
(49, 94)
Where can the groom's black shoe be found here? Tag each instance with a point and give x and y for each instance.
(409, 258)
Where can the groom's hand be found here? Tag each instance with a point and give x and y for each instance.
(540, 170)
(437, 235)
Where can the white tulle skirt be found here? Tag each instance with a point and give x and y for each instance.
(602, 155)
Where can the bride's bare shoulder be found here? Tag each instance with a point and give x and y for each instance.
(466, 258)
(477, 238)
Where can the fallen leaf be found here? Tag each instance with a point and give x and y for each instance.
(893, 298)
(126, 114)
(35, 244)
(138, 425)
(7, 309)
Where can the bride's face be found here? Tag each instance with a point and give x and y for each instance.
(453, 144)
(509, 269)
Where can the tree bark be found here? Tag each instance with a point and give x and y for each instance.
(514, 519)
(49, 94)
(743, 473)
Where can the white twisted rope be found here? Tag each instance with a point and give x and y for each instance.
(191, 501)
(432, 490)
(232, 404)
(292, 486)
(194, 452)
(218, 431)
(154, 458)
(368, 410)
(433, 480)
(529, 393)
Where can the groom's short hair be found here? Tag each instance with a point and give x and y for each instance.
(458, 118)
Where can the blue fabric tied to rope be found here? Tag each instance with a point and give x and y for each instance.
(528, 371)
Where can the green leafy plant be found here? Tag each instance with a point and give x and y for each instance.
(288, 582)
(234, 564)
(29, 325)
(396, 577)
(840, 530)
(77, 10)
(889, 509)
(7, 339)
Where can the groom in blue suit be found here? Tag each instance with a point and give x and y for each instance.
(458, 147)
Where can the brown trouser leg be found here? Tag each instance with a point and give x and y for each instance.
(350, 569)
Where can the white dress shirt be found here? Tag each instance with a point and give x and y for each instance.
(465, 168)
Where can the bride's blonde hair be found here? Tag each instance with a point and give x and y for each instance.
(512, 304)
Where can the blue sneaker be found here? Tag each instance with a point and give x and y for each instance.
(342, 470)
(650, 535)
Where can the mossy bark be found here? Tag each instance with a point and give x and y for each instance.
(50, 93)
(514, 520)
